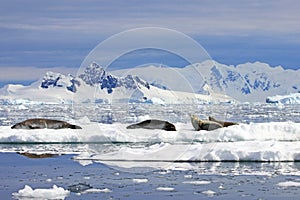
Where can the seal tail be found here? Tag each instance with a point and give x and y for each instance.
(131, 126)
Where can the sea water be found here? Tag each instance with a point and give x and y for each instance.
(257, 159)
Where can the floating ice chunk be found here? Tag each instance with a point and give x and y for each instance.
(293, 98)
(188, 176)
(140, 180)
(164, 172)
(85, 162)
(289, 184)
(209, 193)
(197, 182)
(53, 193)
(167, 189)
(96, 190)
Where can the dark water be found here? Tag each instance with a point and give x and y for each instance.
(227, 180)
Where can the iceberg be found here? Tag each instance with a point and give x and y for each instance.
(293, 98)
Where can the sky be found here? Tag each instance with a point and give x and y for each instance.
(41, 35)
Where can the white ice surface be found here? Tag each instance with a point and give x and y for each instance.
(95, 132)
(275, 141)
(231, 151)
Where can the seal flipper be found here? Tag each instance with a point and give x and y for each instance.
(72, 126)
(223, 123)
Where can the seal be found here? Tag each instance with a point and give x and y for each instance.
(153, 124)
(41, 123)
(199, 124)
(223, 123)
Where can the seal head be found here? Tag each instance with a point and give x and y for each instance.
(199, 124)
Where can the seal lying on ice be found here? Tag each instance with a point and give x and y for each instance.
(153, 124)
(40, 123)
(199, 124)
(223, 123)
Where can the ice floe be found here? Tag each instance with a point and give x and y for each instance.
(52, 193)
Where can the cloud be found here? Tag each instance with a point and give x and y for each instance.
(74, 28)
(17, 73)
(202, 17)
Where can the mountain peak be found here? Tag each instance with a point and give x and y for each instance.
(53, 79)
(93, 74)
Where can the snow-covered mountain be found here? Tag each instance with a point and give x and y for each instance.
(201, 82)
(95, 84)
(249, 82)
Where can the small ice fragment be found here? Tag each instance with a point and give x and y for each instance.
(95, 190)
(188, 176)
(209, 193)
(289, 184)
(197, 182)
(167, 189)
(141, 180)
(164, 172)
(49, 180)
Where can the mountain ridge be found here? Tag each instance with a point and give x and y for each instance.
(95, 84)
(248, 82)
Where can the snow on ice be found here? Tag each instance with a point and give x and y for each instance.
(275, 141)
